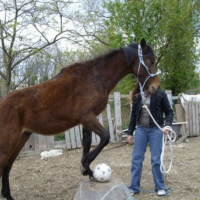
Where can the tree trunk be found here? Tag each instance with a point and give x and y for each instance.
(5, 88)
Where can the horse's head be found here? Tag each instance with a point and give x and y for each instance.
(146, 70)
(141, 60)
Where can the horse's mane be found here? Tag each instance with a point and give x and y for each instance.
(130, 52)
(103, 57)
(92, 61)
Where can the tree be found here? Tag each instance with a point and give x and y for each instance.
(179, 64)
(169, 26)
(27, 28)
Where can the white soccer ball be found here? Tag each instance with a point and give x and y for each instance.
(102, 172)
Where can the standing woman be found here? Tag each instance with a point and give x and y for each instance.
(147, 132)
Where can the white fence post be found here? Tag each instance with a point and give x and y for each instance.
(118, 120)
(110, 124)
(68, 140)
(78, 136)
(169, 95)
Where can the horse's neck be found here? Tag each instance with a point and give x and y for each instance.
(115, 69)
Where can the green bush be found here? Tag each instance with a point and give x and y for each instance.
(59, 137)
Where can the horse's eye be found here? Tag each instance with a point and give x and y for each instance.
(152, 62)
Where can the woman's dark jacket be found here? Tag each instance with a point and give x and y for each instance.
(159, 104)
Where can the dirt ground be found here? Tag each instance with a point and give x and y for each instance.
(58, 178)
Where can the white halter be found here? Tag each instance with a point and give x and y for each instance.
(150, 75)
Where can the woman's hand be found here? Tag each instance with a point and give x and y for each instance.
(130, 139)
(165, 131)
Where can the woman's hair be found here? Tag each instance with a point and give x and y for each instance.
(136, 90)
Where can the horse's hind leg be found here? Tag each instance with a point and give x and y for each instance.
(93, 124)
(5, 192)
(87, 139)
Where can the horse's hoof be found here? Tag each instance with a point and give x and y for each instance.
(92, 179)
(7, 198)
(82, 169)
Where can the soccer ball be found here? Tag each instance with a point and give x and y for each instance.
(102, 172)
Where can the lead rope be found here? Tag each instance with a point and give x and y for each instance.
(169, 136)
(165, 137)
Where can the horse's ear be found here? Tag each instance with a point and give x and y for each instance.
(143, 45)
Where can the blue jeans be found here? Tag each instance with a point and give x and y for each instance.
(143, 135)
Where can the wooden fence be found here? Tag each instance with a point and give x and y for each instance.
(192, 116)
(111, 119)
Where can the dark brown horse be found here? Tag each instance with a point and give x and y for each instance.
(75, 96)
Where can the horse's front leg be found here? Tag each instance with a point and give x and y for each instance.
(93, 124)
(87, 139)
